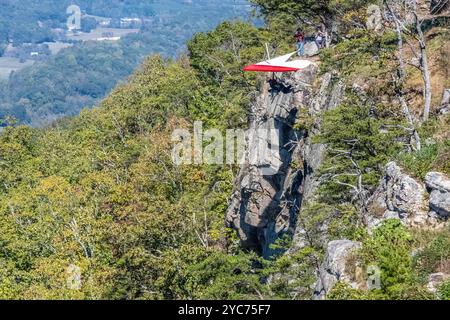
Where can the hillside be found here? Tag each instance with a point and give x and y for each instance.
(20, 19)
(94, 207)
(81, 75)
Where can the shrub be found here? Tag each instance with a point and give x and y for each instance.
(444, 291)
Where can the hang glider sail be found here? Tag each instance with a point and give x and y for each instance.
(279, 64)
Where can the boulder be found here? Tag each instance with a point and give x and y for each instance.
(334, 267)
(440, 203)
(311, 49)
(437, 181)
(439, 186)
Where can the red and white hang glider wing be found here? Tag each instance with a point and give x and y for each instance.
(279, 64)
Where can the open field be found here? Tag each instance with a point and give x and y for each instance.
(7, 65)
(98, 33)
(56, 47)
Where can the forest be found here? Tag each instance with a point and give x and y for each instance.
(79, 77)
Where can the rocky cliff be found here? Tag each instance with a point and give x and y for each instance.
(264, 207)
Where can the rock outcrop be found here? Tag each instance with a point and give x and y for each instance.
(334, 267)
(398, 196)
(402, 197)
(264, 205)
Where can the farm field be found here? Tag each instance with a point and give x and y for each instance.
(7, 65)
(99, 33)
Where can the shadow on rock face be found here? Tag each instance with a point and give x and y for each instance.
(264, 207)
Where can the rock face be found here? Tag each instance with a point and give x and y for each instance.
(328, 96)
(334, 267)
(398, 196)
(402, 197)
(439, 186)
(266, 198)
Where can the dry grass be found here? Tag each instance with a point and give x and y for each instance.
(439, 62)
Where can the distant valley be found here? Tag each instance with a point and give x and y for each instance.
(48, 71)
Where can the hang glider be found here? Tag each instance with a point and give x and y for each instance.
(279, 64)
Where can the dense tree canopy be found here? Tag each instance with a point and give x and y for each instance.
(336, 16)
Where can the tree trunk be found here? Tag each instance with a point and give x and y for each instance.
(423, 65)
(416, 143)
(427, 81)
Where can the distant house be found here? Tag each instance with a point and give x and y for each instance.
(105, 23)
(108, 39)
(130, 22)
